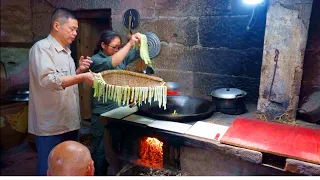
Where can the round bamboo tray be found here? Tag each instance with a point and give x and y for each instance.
(126, 87)
(131, 79)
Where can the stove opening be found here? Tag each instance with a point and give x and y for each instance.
(151, 153)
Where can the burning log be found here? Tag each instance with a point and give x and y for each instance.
(151, 153)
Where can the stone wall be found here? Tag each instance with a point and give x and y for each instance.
(25, 21)
(213, 163)
(205, 44)
(22, 23)
(16, 21)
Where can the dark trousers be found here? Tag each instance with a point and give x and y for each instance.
(45, 144)
(98, 152)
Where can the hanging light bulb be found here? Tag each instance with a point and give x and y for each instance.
(253, 2)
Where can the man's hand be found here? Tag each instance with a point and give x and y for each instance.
(84, 64)
(88, 77)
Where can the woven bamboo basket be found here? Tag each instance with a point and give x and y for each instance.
(131, 79)
(142, 88)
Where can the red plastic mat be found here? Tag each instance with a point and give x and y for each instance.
(275, 138)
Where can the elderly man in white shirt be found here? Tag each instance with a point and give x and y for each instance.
(54, 112)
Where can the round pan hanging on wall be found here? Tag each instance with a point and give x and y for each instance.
(132, 16)
(153, 44)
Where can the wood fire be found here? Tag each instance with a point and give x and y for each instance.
(151, 153)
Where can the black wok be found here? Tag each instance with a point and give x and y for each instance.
(187, 108)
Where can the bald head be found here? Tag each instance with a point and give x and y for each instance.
(70, 158)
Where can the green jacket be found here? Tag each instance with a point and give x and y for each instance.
(102, 62)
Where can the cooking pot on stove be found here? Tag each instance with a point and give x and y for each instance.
(229, 100)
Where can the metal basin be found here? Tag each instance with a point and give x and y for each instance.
(187, 108)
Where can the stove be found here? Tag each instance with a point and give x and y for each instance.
(135, 140)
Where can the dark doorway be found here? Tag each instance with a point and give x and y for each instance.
(91, 24)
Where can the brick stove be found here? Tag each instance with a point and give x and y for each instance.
(138, 145)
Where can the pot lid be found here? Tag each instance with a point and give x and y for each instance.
(228, 93)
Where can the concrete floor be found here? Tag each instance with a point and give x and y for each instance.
(22, 160)
(19, 161)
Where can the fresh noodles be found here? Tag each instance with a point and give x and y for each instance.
(124, 95)
(144, 51)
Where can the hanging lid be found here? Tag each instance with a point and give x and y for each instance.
(228, 93)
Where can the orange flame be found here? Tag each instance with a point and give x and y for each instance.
(151, 152)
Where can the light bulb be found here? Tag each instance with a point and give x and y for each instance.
(252, 1)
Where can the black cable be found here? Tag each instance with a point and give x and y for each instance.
(248, 26)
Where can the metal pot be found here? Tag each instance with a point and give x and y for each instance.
(229, 100)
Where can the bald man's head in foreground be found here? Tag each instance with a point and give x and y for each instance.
(70, 158)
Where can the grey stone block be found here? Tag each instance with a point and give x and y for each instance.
(301, 167)
(199, 162)
(177, 30)
(173, 57)
(205, 83)
(233, 151)
(231, 32)
(41, 23)
(19, 56)
(84, 4)
(40, 6)
(218, 61)
(290, 40)
(16, 21)
(192, 8)
(252, 63)
(185, 79)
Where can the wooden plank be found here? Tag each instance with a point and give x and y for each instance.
(275, 138)
(88, 36)
(93, 14)
(84, 49)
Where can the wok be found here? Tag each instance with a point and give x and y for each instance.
(187, 108)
